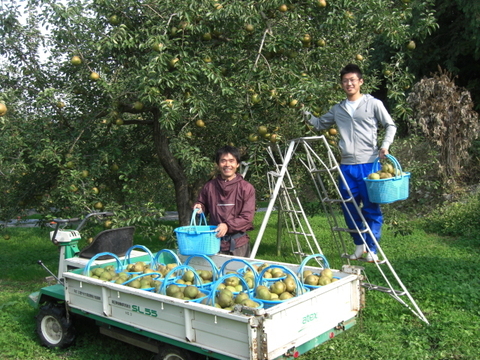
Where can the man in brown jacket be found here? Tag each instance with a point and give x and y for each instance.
(229, 201)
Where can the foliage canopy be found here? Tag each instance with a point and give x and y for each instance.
(145, 72)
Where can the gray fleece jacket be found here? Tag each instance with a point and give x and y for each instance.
(358, 134)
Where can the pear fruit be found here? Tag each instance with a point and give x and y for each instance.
(224, 298)
(285, 296)
(311, 280)
(241, 297)
(188, 276)
(290, 284)
(191, 291)
(327, 272)
(278, 287)
(263, 293)
(324, 281)
(250, 303)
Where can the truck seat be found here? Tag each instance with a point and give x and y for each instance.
(116, 241)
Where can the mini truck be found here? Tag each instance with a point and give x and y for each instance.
(177, 329)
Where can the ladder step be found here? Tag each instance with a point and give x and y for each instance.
(299, 233)
(323, 170)
(354, 231)
(293, 211)
(383, 289)
(333, 201)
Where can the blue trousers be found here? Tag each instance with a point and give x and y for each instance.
(371, 212)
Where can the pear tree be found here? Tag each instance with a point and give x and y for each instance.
(152, 89)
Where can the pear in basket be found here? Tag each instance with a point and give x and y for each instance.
(188, 276)
(134, 284)
(327, 272)
(285, 296)
(277, 273)
(311, 280)
(250, 282)
(262, 292)
(139, 266)
(109, 268)
(324, 281)
(232, 281)
(224, 298)
(278, 287)
(250, 303)
(191, 292)
(290, 284)
(388, 168)
(145, 283)
(173, 290)
(240, 297)
(206, 275)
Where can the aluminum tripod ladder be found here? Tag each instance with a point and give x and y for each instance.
(325, 174)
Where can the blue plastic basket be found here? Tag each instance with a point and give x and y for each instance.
(197, 239)
(385, 191)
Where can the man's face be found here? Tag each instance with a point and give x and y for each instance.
(228, 166)
(351, 84)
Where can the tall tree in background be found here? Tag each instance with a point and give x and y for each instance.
(455, 45)
(132, 84)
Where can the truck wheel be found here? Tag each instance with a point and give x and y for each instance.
(173, 353)
(53, 328)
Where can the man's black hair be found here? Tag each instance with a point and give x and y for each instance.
(227, 149)
(351, 68)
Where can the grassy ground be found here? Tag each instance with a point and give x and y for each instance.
(440, 273)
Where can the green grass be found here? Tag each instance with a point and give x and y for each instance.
(440, 273)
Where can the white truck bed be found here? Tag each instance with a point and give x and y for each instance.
(239, 334)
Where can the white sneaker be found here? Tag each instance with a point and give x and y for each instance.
(359, 251)
(371, 257)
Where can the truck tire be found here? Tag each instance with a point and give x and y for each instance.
(53, 328)
(173, 353)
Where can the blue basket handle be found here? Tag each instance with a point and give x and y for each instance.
(307, 259)
(142, 275)
(398, 168)
(395, 163)
(126, 261)
(300, 289)
(162, 289)
(168, 251)
(216, 284)
(247, 264)
(203, 219)
(86, 270)
(215, 272)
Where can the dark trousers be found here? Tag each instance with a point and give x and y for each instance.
(242, 251)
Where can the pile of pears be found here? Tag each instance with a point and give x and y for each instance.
(275, 285)
(278, 290)
(226, 300)
(386, 172)
(189, 292)
(324, 278)
(186, 288)
(135, 275)
(272, 273)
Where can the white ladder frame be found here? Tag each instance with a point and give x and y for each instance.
(327, 167)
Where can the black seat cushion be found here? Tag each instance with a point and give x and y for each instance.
(116, 241)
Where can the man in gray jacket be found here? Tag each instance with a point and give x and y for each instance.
(357, 119)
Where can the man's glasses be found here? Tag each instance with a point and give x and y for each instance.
(346, 81)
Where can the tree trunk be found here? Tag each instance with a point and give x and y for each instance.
(174, 171)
